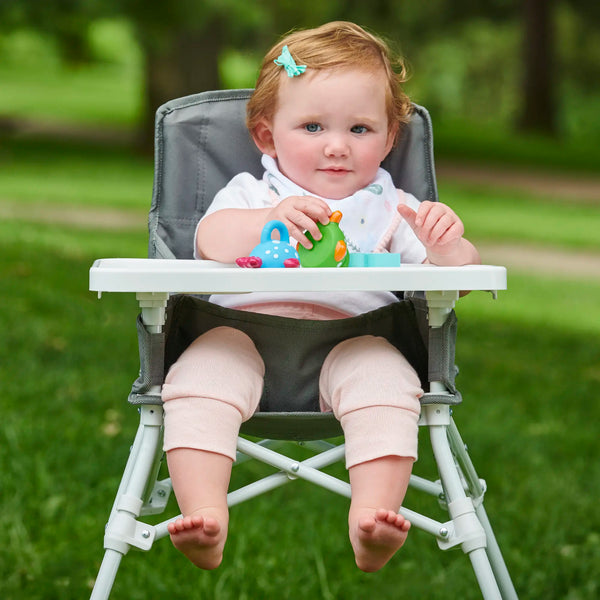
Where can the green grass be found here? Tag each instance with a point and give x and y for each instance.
(538, 300)
(529, 375)
(73, 172)
(465, 139)
(99, 95)
(83, 173)
(105, 92)
(529, 370)
(496, 215)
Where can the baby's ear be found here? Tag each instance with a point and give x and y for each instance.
(392, 137)
(263, 138)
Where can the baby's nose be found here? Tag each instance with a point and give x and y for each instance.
(336, 145)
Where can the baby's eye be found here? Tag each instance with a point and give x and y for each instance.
(359, 129)
(312, 127)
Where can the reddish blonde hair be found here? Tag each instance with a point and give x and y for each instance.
(336, 45)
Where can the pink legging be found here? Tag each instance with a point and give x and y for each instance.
(217, 383)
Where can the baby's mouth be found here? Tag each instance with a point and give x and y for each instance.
(335, 170)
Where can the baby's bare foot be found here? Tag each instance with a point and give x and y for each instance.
(201, 537)
(376, 535)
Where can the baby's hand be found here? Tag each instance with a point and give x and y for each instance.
(300, 214)
(436, 225)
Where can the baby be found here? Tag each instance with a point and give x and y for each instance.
(326, 110)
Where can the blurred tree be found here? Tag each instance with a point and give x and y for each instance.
(420, 23)
(182, 45)
(581, 59)
(182, 42)
(539, 112)
(67, 21)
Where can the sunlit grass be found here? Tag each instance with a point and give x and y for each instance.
(98, 95)
(81, 243)
(105, 92)
(494, 215)
(538, 300)
(488, 142)
(529, 374)
(82, 173)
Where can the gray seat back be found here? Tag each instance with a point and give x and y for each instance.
(201, 142)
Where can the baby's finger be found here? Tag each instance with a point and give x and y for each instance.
(298, 233)
(430, 213)
(316, 209)
(408, 214)
(302, 240)
(451, 235)
(435, 228)
(425, 213)
(300, 224)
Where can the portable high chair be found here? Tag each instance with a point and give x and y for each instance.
(201, 142)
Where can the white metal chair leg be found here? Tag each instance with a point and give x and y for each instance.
(463, 491)
(496, 559)
(477, 491)
(466, 529)
(123, 530)
(106, 575)
(484, 574)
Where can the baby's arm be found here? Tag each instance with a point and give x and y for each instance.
(230, 233)
(441, 232)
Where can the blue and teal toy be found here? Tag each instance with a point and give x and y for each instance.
(272, 253)
(331, 250)
(383, 259)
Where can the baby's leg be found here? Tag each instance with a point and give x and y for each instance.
(200, 480)
(376, 528)
(374, 392)
(214, 386)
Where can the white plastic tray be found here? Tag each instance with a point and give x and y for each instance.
(202, 277)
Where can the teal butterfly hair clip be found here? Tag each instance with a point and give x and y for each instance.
(286, 61)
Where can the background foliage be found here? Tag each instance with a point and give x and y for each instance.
(467, 57)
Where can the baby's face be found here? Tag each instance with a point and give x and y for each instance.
(330, 131)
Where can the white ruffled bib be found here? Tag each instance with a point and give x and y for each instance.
(369, 215)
